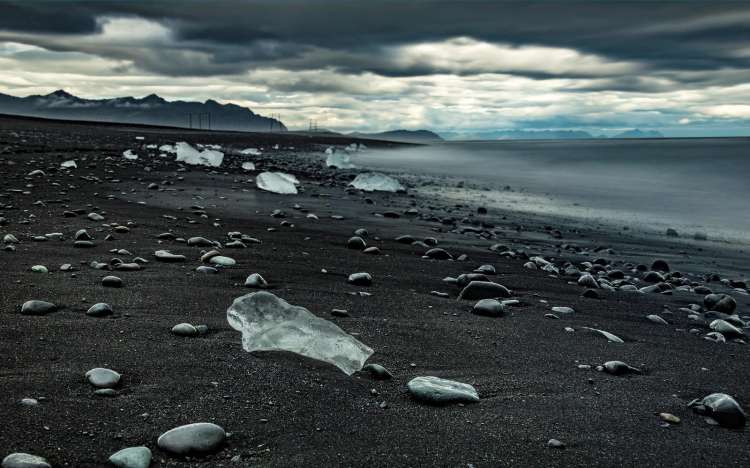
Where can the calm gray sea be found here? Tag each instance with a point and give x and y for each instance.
(693, 185)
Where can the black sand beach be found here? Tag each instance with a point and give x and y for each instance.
(284, 410)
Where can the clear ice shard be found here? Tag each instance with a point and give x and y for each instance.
(277, 182)
(375, 181)
(190, 155)
(269, 323)
(340, 161)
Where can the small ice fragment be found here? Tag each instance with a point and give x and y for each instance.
(354, 147)
(375, 181)
(269, 323)
(70, 164)
(129, 155)
(339, 161)
(251, 152)
(277, 182)
(248, 166)
(190, 155)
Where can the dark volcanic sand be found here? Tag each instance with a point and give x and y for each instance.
(283, 410)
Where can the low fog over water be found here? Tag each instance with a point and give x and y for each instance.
(690, 184)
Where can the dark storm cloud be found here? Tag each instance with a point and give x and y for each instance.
(376, 64)
(39, 17)
(351, 36)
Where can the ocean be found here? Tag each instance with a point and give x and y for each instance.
(691, 185)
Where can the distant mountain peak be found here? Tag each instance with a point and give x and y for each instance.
(638, 133)
(61, 93)
(153, 98)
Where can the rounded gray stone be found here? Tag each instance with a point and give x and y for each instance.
(184, 329)
(360, 279)
(196, 438)
(132, 457)
(25, 460)
(256, 281)
(476, 290)
(35, 307)
(111, 282)
(221, 260)
(101, 309)
(377, 371)
(488, 308)
(103, 378)
(439, 391)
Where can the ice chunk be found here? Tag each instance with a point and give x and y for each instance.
(340, 161)
(269, 323)
(129, 155)
(190, 155)
(140, 138)
(354, 147)
(70, 164)
(330, 150)
(248, 166)
(375, 181)
(251, 152)
(168, 148)
(277, 182)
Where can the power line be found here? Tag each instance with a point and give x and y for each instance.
(200, 116)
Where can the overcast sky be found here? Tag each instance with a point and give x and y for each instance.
(680, 67)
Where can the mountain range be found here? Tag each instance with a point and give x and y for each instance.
(636, 133)
(546, 135)
(155, 110)
(150, 110)
(403, 136)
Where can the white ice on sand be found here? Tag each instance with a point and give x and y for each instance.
(167, 148)
(248, 166)
(375, 181)
(269, 323)
(251, 152)
(70, 164)
(129, 155)
(190, 155)
(277, 182)
(339, 161)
